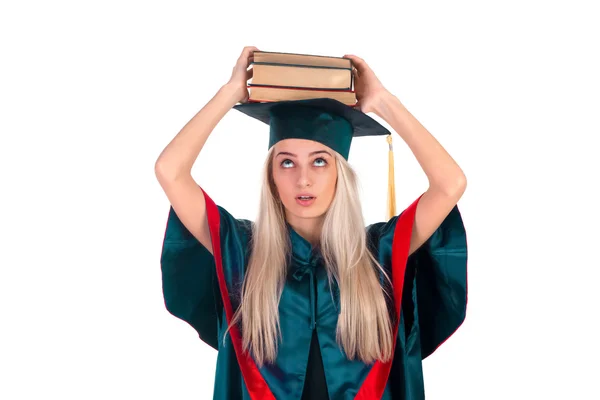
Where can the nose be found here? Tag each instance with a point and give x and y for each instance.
(304, 179)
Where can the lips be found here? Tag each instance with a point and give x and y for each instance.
(305, 196)
(305, 201)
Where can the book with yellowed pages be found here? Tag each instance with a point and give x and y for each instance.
(290, 76)
(266, 93)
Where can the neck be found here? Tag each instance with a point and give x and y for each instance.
(308, 228)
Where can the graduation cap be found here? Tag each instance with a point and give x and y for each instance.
(324, 120)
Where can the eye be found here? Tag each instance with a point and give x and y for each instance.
(321, 159)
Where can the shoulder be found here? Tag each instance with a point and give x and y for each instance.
(381, 233)
(380, 238)
(230, 224)
(235, 237)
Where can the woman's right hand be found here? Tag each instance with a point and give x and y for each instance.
(241, 74)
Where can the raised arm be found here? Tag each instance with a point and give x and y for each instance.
(447, 181)
(174, 164)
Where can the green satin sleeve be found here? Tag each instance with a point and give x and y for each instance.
(189, 281)
(440, 279)
(435, 285)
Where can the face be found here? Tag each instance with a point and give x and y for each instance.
(304, 167)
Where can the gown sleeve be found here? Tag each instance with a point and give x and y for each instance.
(440, 280)
(435, 282)
(189, 279)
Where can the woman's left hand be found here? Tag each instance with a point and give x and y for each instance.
(369, 90)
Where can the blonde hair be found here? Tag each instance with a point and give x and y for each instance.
(364, 329)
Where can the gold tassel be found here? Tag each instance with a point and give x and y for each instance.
(391, 211)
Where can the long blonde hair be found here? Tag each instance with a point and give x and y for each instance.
(364, 329)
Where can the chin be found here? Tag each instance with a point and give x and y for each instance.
(315, 211)
(308, 213)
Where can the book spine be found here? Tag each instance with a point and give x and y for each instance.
(250, 85)
(294, 76)
(300, 65)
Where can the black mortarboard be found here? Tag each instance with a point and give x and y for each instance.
(324, 120)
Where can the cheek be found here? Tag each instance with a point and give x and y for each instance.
(332, 180)
(282, 181)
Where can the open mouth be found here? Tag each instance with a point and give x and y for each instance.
(305, 197)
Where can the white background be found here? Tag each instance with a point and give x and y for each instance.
(91, 92)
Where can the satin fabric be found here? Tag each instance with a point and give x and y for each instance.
(433, 306)
(323, 120)
(315, 124)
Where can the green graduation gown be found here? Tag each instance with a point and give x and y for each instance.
(430, 291)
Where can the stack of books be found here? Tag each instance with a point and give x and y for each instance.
(289, 76)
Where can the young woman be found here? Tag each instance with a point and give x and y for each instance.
(305, 301)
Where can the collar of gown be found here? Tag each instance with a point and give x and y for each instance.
(305, 257)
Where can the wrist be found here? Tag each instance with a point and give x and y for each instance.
(386, 104)
(233, 90)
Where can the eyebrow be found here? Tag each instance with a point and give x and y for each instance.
(294, 155)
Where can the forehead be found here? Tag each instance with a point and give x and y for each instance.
(299, 146)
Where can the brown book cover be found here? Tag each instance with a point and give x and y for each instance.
(263, 94)
(303, 71)
(302, 59)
